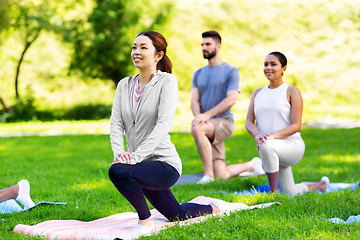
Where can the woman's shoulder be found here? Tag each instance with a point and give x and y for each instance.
(292, 89)
(257, 90)
(166, 76)
(124, 82)
(255, 93)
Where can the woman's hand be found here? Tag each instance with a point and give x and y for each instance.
(124, 158)
(261, 138)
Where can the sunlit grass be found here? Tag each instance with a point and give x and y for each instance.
(92, 185)
(57, 127)
(74, 168)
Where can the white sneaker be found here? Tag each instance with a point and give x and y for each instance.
(327, 183)
(205, 179)
(24, 194)
(258, 170)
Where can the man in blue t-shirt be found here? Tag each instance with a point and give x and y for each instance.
(215, 89)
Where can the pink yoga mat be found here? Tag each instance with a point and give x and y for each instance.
(115, 226)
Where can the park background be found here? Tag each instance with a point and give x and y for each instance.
(75, 51)
(67, 81)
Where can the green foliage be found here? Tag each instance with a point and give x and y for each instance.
(28, 18)
(74, 169)
(320, 38)
(4, 18)
(88, 111)
(27, 110)
(103, 43)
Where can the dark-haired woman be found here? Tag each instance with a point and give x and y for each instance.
(277, 110)
(144, 108)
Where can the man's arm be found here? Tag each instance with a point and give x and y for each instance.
(224, 105)
(195, 101)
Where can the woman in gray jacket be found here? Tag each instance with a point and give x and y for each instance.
(144, 108)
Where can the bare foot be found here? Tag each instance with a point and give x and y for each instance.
(321, 186)
(144, 226)
(215, 208)
(148, 223)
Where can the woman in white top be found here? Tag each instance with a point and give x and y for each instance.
(277, 110)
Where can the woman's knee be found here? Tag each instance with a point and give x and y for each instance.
(116, 172)
(111, 172)
(289, 191)
(269, 158)
(266, 150)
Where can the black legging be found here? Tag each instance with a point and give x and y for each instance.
(153, 179)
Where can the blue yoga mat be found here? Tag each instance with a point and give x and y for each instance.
(265, 188)
(351, 219)
(11, 206)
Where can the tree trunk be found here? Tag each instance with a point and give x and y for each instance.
(27, 45)
(6, 107)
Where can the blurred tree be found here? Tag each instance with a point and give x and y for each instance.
(103, 42)
(26, 19)
(29, 18)
(4, 16)
(4, 24)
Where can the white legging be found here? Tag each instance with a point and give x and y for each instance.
(278, 155)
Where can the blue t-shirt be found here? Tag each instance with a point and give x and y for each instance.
(213, 83)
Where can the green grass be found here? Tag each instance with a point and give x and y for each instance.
(57, 127)
(74, 169)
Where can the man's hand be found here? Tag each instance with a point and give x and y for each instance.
(200, 119)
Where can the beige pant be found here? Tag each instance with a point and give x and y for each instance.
(224, 128)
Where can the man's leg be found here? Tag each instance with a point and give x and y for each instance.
(224, 172)
(202, 133)
(223, 130)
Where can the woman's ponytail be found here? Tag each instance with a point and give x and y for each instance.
(164, 64)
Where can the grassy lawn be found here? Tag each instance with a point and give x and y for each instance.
(74, 169)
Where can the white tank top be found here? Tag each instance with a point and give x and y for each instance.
(272, 109)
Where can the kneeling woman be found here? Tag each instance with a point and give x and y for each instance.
(144, 108)
(277, 109)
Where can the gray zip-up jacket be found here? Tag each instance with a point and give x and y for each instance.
(147, 138)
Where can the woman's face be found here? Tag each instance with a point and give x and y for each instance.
(143, 53)
(272, 68)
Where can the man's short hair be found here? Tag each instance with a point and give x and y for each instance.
(213, 34)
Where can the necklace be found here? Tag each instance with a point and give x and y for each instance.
(138, 90)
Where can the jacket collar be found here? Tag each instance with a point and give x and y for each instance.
(156, 77)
